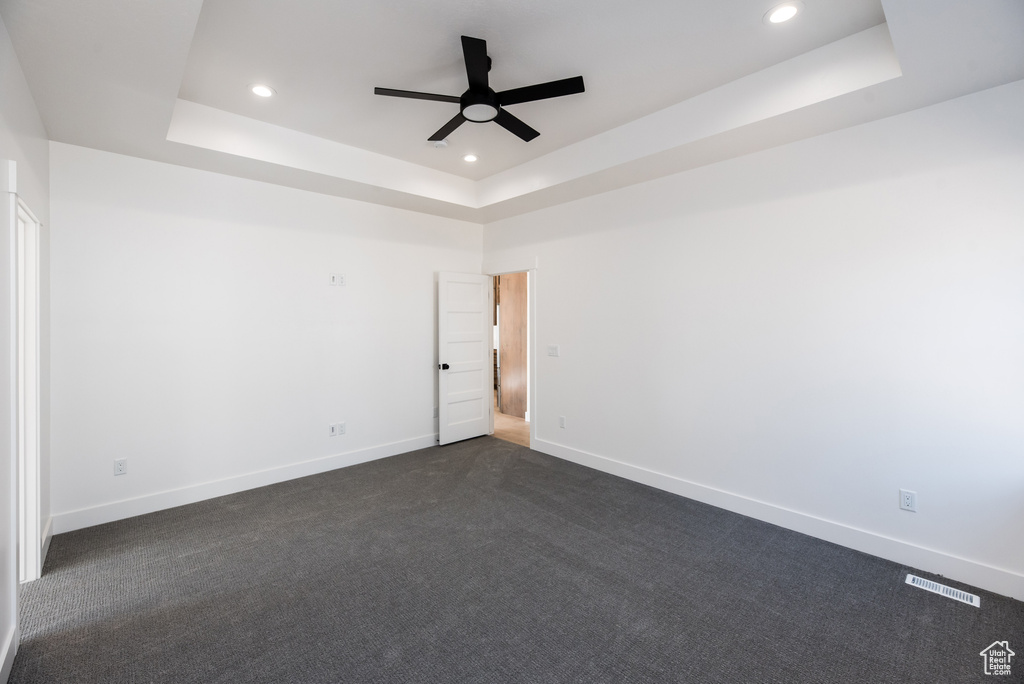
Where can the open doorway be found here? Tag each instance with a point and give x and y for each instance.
(511, 358)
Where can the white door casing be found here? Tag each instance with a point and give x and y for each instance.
(26, 349)
(464, 344)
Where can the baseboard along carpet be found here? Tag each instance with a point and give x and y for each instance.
(484, 561)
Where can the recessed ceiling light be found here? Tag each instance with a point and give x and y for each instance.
(261, 90)
(469, 158)
(783, 12)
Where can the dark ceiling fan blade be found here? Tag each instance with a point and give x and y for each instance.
(477, 63)
(541, 91)
(514, 125)
(447, 129)
(415, 96)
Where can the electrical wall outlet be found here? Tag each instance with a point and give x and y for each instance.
(561, 422)
(908, 500)
(337, 429)
(120, 466)
(338, 279)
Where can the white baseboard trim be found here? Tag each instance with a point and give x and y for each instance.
(997, 580)
(9, 650)
(69, 521)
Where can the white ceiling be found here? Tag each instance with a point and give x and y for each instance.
(324, 58)
(670, 85)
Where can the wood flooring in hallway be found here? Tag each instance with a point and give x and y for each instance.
(510, 428)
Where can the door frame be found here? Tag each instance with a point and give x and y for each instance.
(531, 269)
(26, 312)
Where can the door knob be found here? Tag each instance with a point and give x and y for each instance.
(443, 366)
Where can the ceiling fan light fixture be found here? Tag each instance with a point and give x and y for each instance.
(479, 106)
(783, 13)
(262, 90)
(480, 113)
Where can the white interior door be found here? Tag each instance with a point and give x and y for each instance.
(465, 340)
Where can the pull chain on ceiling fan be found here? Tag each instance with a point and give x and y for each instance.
(480, 103)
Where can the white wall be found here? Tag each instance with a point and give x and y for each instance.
(22, 134)
(800, 333)
(195, 332)
(23, 140)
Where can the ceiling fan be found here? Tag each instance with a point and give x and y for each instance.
(481, 104)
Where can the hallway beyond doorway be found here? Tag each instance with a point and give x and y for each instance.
(510, 428)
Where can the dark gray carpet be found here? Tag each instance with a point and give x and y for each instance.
(484, 562)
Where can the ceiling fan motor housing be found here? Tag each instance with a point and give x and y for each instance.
(478, 106)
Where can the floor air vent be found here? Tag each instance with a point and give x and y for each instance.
(948, 592)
